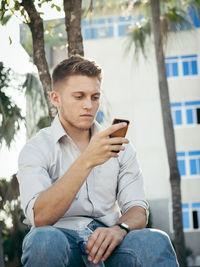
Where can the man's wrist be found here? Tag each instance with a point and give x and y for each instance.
(85, 160)
(119, 229)
(124, 226)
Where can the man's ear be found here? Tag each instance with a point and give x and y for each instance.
(55, 98)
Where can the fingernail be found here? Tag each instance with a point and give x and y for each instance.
(89, 258)
(124, 124)
(95, 261)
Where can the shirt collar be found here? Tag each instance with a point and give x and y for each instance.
(58, 131)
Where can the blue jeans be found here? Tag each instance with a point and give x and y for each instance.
(58, 247)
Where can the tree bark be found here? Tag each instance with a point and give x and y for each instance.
(1, 249)
(72, 10)
(37, 30)
(175, 179)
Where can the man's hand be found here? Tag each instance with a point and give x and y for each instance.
(103, 241)
(101, 145)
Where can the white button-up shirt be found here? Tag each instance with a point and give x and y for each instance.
(116, 183)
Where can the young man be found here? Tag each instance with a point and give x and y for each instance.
(70, 179)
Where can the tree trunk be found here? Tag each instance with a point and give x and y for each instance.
(1, 249)
(175, 179)
(37, 30)
(72, 10)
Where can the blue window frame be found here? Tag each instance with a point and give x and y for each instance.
(186, 220)
(181, 167)
(98, 32)
(186, 113)
(176, 110)
(181, 65)
(194, 160)
(189, 163)
(194, 16)
(181, 163)
(191, 216)
(178, 116)
(122, 30)
(104, 27)
(171, 64)
(189, 64)
(189, 116)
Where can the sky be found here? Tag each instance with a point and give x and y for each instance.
(14, 56)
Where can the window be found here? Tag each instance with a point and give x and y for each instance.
(179, 66)
(189, 64)
(105, 27)
(194, 160)
(194, 16)
(186, 113)
(97, 28)
(181, 163)
(176, 110)
(189, 164)
(191, 216)
(171, 64)
(123, 24)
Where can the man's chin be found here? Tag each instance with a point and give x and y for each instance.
(85, 126)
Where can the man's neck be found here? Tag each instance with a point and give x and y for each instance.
(81, 137)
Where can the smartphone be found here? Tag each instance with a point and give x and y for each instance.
(121, 132)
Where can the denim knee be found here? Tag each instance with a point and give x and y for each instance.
(151, 247)
(46, 245)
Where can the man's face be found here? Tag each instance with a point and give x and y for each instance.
(77, 101)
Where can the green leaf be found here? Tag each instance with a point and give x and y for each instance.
(10, 40)
(23, 11)
(10, 113)
(17, 5)
(5, 19)
(58, 8)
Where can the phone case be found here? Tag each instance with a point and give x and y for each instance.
(120, 132)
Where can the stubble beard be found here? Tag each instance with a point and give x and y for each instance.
(72, 124)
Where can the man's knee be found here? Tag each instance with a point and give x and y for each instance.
(42, 242)
(45, 238)
(150, 244)
(149, 237)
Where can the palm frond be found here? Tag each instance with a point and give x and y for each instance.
(138, 35)
(10, 113)
(177, 19)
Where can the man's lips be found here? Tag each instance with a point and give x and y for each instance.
(86, 115)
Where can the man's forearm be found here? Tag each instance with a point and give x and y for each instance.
(52, 204)
(135, 218)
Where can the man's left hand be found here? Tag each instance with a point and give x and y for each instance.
(103, 241)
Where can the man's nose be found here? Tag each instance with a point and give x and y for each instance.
(87, 104)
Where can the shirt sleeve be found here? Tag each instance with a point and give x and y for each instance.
(130, 184)
(33, 178)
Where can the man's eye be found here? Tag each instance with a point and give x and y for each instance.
(95, 98)
(78, 96)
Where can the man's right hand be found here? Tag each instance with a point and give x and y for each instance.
(101, 145)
